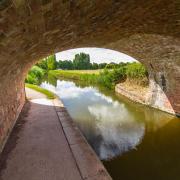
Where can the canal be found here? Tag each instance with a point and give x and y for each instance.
(133, 141)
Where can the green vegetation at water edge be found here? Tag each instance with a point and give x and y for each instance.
(37, 72)
(82, 69)
(106, 77)
(49, 94)
(35, 75)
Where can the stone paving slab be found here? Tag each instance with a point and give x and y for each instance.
(88, 162)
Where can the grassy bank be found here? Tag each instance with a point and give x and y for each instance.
(97, 71)
(134, 72)
(76, 74)
(49, 94)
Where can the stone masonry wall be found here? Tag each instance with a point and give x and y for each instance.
(155, 97)
(12, 100)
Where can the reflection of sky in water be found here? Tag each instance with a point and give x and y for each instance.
(107, 124)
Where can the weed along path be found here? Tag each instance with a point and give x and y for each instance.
(46, 144)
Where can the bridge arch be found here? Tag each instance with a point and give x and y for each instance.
(146, 30)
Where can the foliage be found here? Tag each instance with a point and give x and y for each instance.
(81, 61)
(35, 75)
(102, 65)
(48, 63)
(37, 72)
(49, 94)
(51, 62)
(136, 70)
(94, 66)
(108, 77)
(67, 64)
(112, 74)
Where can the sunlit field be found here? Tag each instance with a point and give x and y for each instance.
(97, 71)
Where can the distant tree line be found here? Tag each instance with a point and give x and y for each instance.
(82, 62)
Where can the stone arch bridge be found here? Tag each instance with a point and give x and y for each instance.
(32, 29)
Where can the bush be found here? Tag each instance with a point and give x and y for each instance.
(136, 70)
(35, 75)
(109, 77)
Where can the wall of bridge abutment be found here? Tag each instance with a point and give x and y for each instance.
(12, 99)
(162, 98)
(159, 95)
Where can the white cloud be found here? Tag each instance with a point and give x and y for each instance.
(119, 130)
(72, 91)
(97, 55)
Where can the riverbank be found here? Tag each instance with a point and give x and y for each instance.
(105, 78)
(44, 137)
(133, 91)
(47, 93)
(134, 86)
(90, 75)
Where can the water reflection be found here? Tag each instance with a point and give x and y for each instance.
(119, 131)
(107, 124)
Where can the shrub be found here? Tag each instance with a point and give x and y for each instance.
(136, 70)
(35, 75)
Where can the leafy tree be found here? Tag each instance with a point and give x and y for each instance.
(95, 66)
(111, 65)
(67, 64)
(51, 62)
(48, 63)
(82, 61)
(42, 64)
(102, 65)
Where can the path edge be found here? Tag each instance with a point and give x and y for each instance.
(80, 148)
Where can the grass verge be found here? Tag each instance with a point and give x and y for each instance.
(76, 75)
(49, 94)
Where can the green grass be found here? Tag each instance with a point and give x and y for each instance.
(107, 77)
(74, 74)
(49, 94)
(88, 76)
(97, 71)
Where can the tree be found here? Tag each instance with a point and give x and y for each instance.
(95, 66)
(82, 61)
(51, 62)
(67, 64)
(48, 63)
(42, 64)
(102, 65)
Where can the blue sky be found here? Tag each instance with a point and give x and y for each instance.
(97, 55)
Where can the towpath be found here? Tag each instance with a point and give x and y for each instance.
(45, 144)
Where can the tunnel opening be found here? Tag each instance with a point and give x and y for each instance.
(113, 129)
(105, 67)
(139, 82)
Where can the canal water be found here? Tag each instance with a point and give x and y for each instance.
(133, 141)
